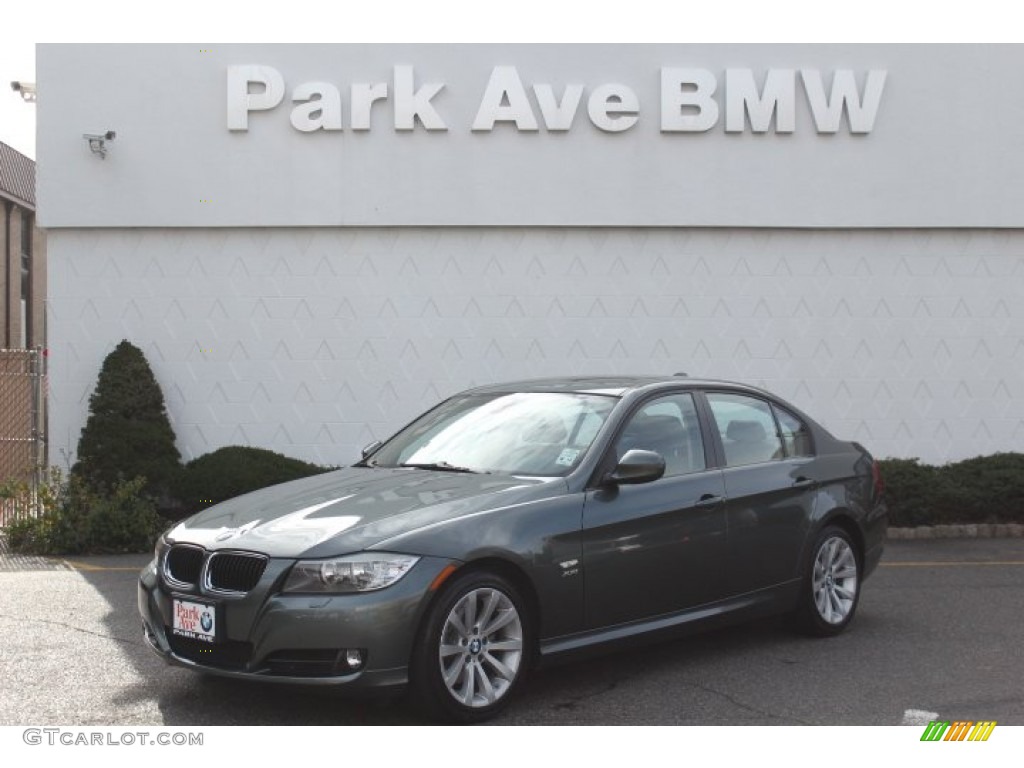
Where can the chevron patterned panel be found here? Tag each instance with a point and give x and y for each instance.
(314, 342)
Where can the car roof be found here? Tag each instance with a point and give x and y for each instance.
(604, 385)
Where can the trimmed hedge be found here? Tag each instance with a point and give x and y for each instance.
(127, 434)
(985, 489)
(232, 471)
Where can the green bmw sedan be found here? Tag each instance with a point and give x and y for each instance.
(516, 524)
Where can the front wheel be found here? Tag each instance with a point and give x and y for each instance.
(473, 650)
(831, 588)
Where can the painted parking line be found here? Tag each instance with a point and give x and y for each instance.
(947, 563)
(90, 567)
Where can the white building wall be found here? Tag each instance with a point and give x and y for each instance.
(315, 341)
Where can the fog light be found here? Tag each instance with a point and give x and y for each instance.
(354, 658)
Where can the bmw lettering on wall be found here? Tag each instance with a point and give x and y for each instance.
(514, 524)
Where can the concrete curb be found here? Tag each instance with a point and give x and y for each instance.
(972, 531)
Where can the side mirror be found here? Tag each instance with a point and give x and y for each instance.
(637, 467)
(367, 450)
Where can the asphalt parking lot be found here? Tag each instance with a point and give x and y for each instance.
(939, 629)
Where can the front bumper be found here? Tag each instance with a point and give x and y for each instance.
(298, 639)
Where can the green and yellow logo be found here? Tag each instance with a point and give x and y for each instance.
(959, 730)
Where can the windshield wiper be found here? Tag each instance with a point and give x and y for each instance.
(444, 466)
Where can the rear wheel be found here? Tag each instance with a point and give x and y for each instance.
(473, 651)
(831, 588)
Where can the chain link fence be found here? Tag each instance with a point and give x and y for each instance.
(23, 458)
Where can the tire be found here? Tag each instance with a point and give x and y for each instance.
(831, 587)
(473, 650)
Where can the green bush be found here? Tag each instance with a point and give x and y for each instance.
(124, 521)
(234, 470)
(910, 489)
(74, 519)
(985, 489)
(127, 433)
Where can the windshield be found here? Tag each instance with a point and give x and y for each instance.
(524, 433)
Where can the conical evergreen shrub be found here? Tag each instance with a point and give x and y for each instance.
(127, 434)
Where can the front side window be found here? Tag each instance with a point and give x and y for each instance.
(747, 428)
(521, 433)
(668, 426)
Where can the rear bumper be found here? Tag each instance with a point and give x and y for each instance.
(875, 528)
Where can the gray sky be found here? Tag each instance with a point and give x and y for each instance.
(30, 21)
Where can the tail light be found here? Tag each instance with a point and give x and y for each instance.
(876, 477)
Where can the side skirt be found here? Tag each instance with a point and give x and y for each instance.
(779, 599)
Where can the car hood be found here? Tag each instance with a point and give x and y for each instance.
(351, 509)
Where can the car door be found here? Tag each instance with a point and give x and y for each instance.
(660, 546)
(769, 484)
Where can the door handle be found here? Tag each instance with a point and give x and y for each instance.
(803, 482)
(708, 501)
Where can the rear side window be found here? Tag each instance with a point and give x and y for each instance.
(747, 428)
(795, 435)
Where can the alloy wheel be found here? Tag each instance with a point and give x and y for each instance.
(834, 581)
(481, 648)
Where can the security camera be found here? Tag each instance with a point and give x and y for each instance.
(98, 142)
(27, 90)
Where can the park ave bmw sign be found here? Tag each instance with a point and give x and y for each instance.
(692, 101)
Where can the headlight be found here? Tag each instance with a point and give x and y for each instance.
(364, 572)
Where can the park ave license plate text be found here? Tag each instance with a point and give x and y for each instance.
(195, 620)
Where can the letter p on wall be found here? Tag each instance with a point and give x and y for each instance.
(242, 99)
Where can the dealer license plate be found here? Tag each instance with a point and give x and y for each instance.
(195, 620)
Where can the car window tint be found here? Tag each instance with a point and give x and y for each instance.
(668, 426)
(747, 428)
(795, 435)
